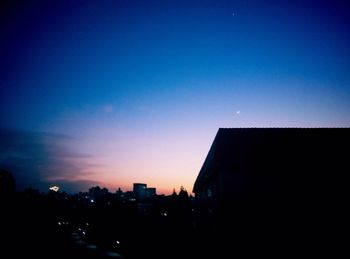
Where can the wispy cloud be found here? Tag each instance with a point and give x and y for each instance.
(108, 108)
(38, 159)
(146, 109)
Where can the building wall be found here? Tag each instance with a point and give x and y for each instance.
(151, 192)
(140, 190)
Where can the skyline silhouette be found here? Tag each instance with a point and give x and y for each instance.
(174, 128)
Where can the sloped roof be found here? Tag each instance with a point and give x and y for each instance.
(233, 147)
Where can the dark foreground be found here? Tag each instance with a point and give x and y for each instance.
(54, 226)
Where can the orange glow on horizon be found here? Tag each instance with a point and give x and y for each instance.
(163, 161)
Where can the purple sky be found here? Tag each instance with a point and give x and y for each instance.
(119, 92)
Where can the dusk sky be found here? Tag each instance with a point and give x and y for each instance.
(117, 92)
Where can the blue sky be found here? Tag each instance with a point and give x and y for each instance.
(141, 87)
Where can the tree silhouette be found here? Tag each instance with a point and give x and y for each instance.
(7, 182)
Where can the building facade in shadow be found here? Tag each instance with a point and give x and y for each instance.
(264, 186)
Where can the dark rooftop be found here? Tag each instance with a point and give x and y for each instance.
(280, 149)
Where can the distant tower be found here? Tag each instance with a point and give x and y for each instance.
(140, 190)
(174, 194)
(119, 193)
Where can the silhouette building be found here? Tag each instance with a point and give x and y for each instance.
(249, 160)
(140, 190)
(265, 186)
(151, 192)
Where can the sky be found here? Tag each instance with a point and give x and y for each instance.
(115, 92)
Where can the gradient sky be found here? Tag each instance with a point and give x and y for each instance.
(116, 92)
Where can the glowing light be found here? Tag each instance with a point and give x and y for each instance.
(59, 223)
(54, 188)
(117, 242)
(92, 201)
